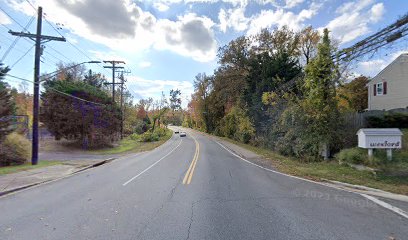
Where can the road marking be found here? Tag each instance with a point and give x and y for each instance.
(386, 205)
(133, 178)
(371, 198)
(190, 171)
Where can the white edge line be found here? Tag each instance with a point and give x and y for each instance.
(385, 205)
(133, 178)
(371, 198)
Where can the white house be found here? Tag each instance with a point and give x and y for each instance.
(389, 89)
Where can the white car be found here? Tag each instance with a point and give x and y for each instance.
(183, 134)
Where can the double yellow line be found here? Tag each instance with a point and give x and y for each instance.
(190, 171)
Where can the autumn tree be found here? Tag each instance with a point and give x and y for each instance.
(202, 87)
(354, 95)
(175, 99)
(309, 39)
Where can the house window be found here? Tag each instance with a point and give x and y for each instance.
(380, 88)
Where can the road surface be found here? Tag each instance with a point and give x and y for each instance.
(191, 188)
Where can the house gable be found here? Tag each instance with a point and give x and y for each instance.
(379, 77)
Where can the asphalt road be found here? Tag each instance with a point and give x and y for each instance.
(191, 189)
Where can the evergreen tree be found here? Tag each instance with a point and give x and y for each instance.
(320, 104)
(6, 105)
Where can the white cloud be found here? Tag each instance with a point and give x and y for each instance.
(374, 66)
(145, 64)
(377, 11)
(130, 29)
(108, 56)
(293, 3)
(145, 88)
(354, 19)
(280, 18)
(4, 19)
(233, 18)
(161, 6)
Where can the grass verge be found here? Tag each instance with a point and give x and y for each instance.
(330, 170)
(26, 166)
(127, 145)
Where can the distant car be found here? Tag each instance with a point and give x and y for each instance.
(176, 131)
(182, 134)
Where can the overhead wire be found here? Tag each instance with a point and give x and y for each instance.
(18, 60)
(13, 44)
(8, 15)
(56, 90)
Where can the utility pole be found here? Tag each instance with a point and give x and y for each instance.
(122, 82)
(39, 39)
(113, 67)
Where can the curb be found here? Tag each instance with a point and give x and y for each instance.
(367, 190)
(3, 193)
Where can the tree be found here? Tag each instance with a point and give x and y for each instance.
(96, 80)
(320, 103)
(6, 105)
(175, 99)
(161, 109)
(70, 71)
(95, 121)
(275, 63)
(202, 86)
(309, 39)
(354, 95)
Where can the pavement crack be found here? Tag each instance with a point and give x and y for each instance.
(191, 220)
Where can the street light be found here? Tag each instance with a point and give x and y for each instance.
(36, 108)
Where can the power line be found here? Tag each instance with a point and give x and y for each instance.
(8, 15)
(372, 43)
(23, 56)
(56, 90)
(13, 44)
(70, 43)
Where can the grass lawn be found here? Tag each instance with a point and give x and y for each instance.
(333, 171)
(26, 166)
(129, 145)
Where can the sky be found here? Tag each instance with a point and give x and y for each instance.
(166, 43)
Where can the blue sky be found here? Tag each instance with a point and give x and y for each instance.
(165, 43)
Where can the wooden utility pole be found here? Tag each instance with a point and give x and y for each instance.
(113, 67)
(122, 82)
(39, 39)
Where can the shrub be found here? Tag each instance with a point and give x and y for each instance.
(139, 126)
(149, 137)
(14, 150)
(360, 156)
(352, 155)
(135, 137)
(237, 125)
(389, 120)
(160, 132)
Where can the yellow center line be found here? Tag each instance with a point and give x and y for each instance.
(190, 171)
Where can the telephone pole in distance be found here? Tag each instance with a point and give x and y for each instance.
(113, 67)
